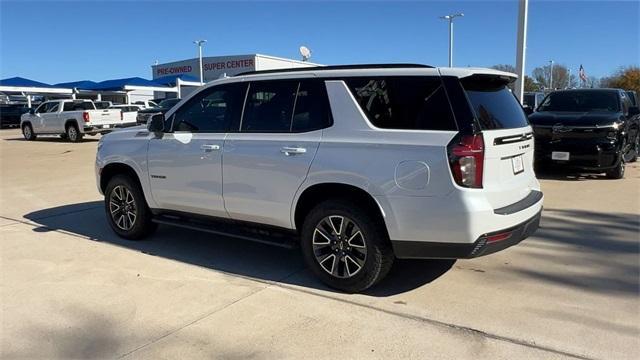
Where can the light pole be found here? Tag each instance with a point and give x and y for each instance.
(521, 48)
(450, 19)
(200, 43)
(551, 74)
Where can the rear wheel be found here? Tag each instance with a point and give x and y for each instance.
(72, 133)
(617, 172)
(126, 208)
(345, 246)
(27, 132)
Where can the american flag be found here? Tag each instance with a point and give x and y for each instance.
(582, 74)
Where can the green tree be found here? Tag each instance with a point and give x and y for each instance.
(530, 84)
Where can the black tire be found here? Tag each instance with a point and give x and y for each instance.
(636, 150)
(27, 132)
(72, 133)
(373, 242)
(63, 136)
(617, 172)
(141, 225)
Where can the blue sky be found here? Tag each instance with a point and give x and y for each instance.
(57, 41)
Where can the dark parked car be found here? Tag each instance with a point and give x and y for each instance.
(164, 106)
(10, 114)
(593, 130)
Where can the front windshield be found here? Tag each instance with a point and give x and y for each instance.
(581, 101)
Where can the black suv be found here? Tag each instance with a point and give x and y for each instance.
(593, 130)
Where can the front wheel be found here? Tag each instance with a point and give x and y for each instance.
(126, 208)
(346, 246)
(27, 132)
(617, 172)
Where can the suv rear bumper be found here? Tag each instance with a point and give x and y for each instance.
(454, 225)
(484, 245)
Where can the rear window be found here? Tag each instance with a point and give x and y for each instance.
(101, 105)
(494, 105)
(410, 103)
(78, 106)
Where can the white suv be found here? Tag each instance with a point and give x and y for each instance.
(358, 164)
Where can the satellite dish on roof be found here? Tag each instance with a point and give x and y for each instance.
(305, 52)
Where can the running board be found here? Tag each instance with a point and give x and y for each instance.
(284, 239)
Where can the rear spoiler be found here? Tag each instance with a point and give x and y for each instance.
(463, 73)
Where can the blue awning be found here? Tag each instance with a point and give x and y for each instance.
(119, 84)
(82, 84)
(171, 80)
(22, 82)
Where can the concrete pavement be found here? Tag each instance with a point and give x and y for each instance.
(71, 289)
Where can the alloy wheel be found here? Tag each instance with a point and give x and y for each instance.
(122, 206)
(339, 246)
(27, 132)
(72, 133)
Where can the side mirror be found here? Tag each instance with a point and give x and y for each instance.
(32, 111)
(633, 111)
(527, 110)
(156, 124)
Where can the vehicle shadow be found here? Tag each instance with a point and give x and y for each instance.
(600, 250)
(228, 255)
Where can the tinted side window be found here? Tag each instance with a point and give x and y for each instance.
(269, 106)
(213, 110)
(53, 107)
(411, 103)
(42, 108)
(312, 110)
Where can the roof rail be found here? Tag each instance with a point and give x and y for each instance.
(335, 67)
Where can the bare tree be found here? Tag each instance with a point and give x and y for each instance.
(560, 76)
(529, 83)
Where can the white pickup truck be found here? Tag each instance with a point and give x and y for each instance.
(71, 119)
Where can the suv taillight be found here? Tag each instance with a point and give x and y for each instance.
(466, 158)
(85, 116)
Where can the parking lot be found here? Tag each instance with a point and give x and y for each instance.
(71, 289)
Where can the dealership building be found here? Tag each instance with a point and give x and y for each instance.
(216, 66)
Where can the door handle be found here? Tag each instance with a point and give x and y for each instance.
(210, 147)
(293, 150)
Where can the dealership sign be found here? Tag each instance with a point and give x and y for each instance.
(218, 65)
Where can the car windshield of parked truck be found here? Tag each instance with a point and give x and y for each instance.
(168, 103)
(581, 101)
(494, 104)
